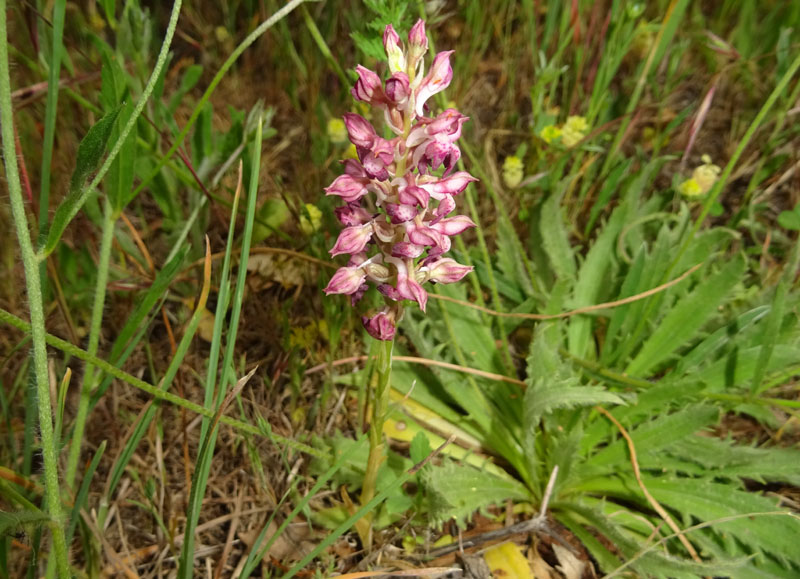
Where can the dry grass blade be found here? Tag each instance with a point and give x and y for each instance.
(583, 310)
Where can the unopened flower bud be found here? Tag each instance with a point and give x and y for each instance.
(454, 225)
(381, 326)
(391, 44)
(348, 188)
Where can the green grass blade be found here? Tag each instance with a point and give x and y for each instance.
(83, 492)
(50, 114)
(257, 553)
(208, 436)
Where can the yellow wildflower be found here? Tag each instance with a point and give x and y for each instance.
(690, 188)
(337, 132)
(702, 179)
(513, 171)
(311, 219)
(550, 133)
(574, 130)
(706, 174)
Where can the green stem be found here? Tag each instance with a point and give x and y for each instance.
(96, 323)
(377, 451)
(33, 283)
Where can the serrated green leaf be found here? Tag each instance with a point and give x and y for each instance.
(707, 501)
(724, 458)
(456, 491)
(655, 435)
(708, 348)
(90, 153)
(739, 365)
(686, 317)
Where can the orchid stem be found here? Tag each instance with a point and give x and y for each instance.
(377, 448)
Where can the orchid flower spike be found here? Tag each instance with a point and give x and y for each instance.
(397, 214)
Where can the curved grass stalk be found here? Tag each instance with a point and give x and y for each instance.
(34, 290)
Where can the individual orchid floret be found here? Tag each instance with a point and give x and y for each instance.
(352, 240)
(347, 187)
(362, 134)
(346, 280)
(397, 216)
(446, 270)
(417, 41)
(437, 79)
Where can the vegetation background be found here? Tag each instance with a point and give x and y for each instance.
(630, 333)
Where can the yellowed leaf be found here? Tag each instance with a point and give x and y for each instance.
(506, 561)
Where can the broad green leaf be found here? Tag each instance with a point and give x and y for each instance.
(90, 153)
(456, 491)
(686, 317)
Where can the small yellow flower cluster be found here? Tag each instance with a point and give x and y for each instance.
(513, 171)
(702, 179)
(311, 219)
(570, 133)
